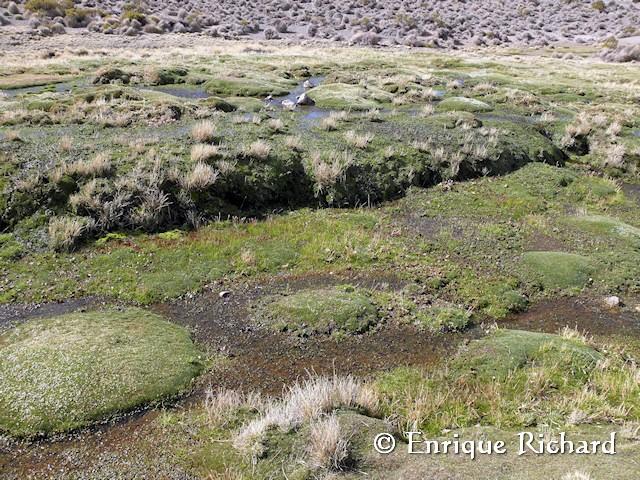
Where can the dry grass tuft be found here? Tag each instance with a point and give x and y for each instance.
(328, 447)
(220, 405)
(204, 132)
(576, 475)
(200, 178)
(615, 155)
(305, 402)
(327, 172)
(294, 143)
(226, 167)
(65, 144)
(329, 124)
(259, 149)
(228, 474)
(98, 166)
(276, 125)
(12, 136)
(64, 232)
(203, 152)
(358, 140)
(427, 110)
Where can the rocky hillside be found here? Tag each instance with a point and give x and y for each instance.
(439, 23)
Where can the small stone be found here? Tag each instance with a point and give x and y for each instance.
(612, 301)
(13, 9)
(288, 105)
(307, 84)
(224, 294)
(305, 100)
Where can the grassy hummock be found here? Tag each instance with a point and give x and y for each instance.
(603, 225)
(348, 97)
(464, 104)
(558, 269)
(329, 310)
(64, 372)
(512, 379)
(446, 319)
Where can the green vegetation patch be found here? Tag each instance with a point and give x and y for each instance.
(512, 379)
(499, 355)
(328, 310)
(10, 249)
(345, 96)
(604, 225)
(558, 269)
(259, 86)
(464, 104)
(448, 318)
(64, 372)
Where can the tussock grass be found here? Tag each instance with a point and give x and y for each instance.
(576, 475)
(64, 232)
(294, 143)
(220, 405)
(204, 132)
(203, 152)
(305, 402)
(97, 166)
(511, 379)
(328, 170)
(358, 140)
(201, 177)
(276, 125)
(12, 136)
(65, 144)
(328, 446)
(259, 150)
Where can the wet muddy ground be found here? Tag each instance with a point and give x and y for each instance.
(10, 315)
(258, 358)
(266, 360)
(632, 191)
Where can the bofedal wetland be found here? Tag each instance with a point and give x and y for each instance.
(249, 255)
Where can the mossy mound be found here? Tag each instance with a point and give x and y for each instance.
(558, 269)
(64, 372)
(506, 351)
(509, 378)
(604, 225)
(348, 97)
(246, 104)
(259, 86)
(168, 76)
(464, 104)
(218, 103)
(328, 310)
(448, 318)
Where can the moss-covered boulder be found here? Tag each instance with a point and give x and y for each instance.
(558, 269)
(327, 310)
(64, 372)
